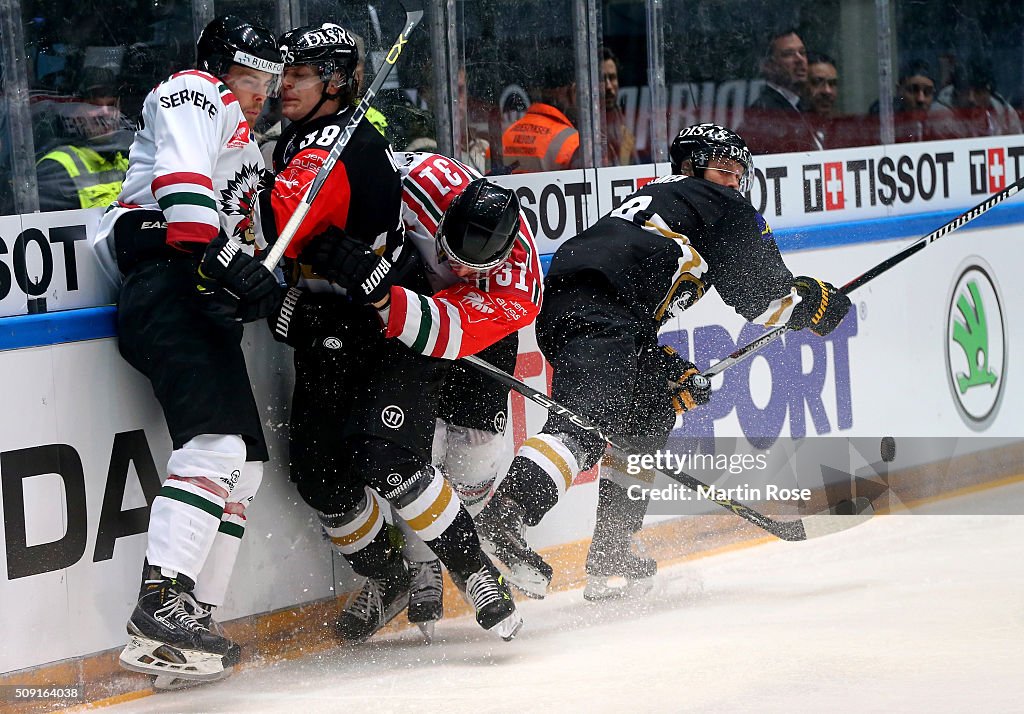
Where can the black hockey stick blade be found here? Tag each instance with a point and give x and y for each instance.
(966, 217)
(801, 529)
(412, 19)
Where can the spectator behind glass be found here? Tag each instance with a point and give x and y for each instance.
(89, 168)
(774, 123)
(978, 109)
(6, 171)
(820, 102)
(620, 149)
(545, 138)
(917, 116)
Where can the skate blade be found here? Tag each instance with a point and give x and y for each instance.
(529, 581)
(599, 589)
(427, 630)
(508, 628)
(169, 683)
(157, 658)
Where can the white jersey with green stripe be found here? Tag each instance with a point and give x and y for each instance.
(194, 158)
(460, 318)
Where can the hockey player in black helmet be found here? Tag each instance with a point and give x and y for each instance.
(319, 77)
(607, 293)
(479, 229)
(484, 285)
(363, 413)
(179, 240)
(229, 40)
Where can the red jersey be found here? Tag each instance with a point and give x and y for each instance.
(461, 318)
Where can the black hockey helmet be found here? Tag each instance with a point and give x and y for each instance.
(702, 143)
(328, 47)
(229, 40)
(480, 226)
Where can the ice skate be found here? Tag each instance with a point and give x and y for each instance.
(502, 531)
(167, 637)
(495, 609)
(426, 596)
(378, 603)
(204, 615)
(615, 570)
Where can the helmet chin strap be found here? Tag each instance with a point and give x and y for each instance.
(324, 97)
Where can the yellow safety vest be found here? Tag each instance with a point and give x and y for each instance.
(378, 120)
(96, 180)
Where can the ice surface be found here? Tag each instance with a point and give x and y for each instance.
(903, 614)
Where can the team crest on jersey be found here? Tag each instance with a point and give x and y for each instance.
(239, 199)
(476, 301)
(241, 137)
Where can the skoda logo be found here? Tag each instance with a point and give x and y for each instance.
(499, 422)
(392, 416)
(332, 343)
(976, 344)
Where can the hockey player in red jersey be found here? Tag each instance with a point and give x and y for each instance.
(181, 237)
(607, 293)
(363, 408)
(485, 284)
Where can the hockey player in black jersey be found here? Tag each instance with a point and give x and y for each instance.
(362, 420)
(607, 293)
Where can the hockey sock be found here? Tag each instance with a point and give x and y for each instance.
(360, 535)
(541, 473)
(212, 584)
(472, 459)
(187, 512)
(414, 549)
(618, 516)
(435, 514)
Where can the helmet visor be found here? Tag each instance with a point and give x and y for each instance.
(270, 85)
(729, 160)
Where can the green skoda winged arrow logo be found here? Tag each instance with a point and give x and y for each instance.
(975, 344)
(972, 336)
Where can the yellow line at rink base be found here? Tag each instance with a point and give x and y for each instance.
(306, 629)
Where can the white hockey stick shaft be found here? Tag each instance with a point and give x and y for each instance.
(412, 19)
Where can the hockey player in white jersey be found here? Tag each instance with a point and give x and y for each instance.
(181, 239)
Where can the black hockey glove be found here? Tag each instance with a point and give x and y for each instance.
(688, 387)
(822, 307)
(234, 285)
(304, 320)
(366, 276)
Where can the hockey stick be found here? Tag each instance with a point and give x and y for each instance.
(767, 338)
(804, 528)
(412, 19)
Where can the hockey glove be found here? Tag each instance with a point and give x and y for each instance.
(688, 387)
(234, 284)
(822, 307)
(304, 320)
(366, 276)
